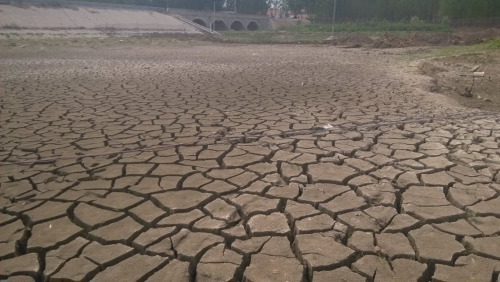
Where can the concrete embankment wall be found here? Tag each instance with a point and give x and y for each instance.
(34, 17)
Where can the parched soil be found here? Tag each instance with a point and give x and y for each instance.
(471, 79)
(212, 162)
(458, 36)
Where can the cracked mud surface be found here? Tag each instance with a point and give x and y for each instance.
(398, 200)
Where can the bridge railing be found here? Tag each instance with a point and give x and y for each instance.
(199, 26)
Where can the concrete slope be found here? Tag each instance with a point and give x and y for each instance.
(89, 18)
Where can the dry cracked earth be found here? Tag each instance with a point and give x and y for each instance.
(212, 163)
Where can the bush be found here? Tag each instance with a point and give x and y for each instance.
(416, 25)
(416, 20)
(445, 20)
(494, 44)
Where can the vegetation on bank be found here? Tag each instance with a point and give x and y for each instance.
(246, 37)
(291, 36)
(273, 36)
(304, 32)
(490, 46)
(493, 44)
(369, 26)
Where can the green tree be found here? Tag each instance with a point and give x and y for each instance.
(296, 5)
(252, 6)
(469, 8)
(196, 4)
(396, 10)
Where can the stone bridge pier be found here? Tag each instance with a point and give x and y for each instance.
(226, 20)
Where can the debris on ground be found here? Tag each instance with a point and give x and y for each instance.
(354, 40)
(466, 76)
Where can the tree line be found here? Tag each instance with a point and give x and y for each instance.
(347, 10)
(240, 6)
(396, 10)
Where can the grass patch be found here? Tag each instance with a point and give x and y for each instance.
(493, 44)
(273, 36)
(471, 49)
(370, 26)
(310, 33)
(51, 4)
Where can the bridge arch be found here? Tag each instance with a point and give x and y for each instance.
(237, 25)
(200, 22)
(219, 25)
(225, 20)
(252, 26)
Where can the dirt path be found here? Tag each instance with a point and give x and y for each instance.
(393, 189)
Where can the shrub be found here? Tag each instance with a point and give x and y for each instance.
(416, 20)
(494, 44)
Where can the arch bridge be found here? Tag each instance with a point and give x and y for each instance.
(220, 21)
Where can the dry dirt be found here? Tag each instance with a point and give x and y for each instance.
(459, 36)
(472, 79)
(272, 163)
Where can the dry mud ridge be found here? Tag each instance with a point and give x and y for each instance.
(459, 36)
(471, 79)
(391, 191)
